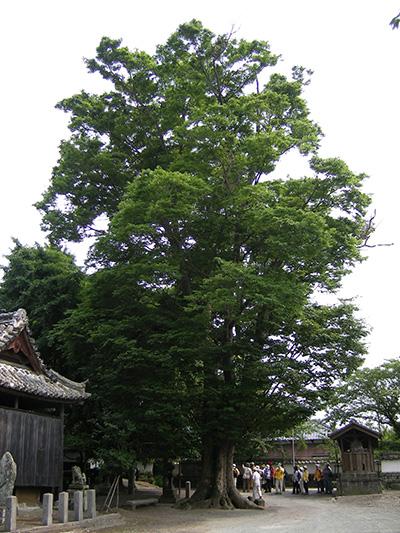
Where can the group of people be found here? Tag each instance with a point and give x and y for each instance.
(324, 478)
(257, 478)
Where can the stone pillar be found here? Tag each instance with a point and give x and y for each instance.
(187, 489)
(11, 513)
(78, 505)
(91, 503)
(63, 507)
(47, 516)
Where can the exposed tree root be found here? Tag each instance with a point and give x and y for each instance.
(216, 489)
(219, 501)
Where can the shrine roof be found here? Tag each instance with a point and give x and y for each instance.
(35, 378)
(354, 425)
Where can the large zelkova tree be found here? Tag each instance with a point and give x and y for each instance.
(46, 282)
(213, 263)
(371, 395)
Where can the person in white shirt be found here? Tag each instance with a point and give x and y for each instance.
(256, 484)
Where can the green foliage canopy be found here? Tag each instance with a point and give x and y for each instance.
(46, 282)
(371, 394)
(200, 319)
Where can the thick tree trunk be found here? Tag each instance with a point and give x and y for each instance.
(216, 487)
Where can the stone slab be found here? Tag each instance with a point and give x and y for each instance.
(132, 504)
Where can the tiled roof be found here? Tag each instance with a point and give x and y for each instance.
(353, 424)
(21, 379)
(321, 435)
(45, 383)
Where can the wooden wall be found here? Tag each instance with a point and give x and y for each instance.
(36, 443)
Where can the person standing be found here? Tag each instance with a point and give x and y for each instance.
(235, 473)
(268, 477)
(306, 478)
(247, 474)
(284, 478)
(279, 473)
(256, 484)
(252, 465)
(328, 475)
(318, 478)
(301, 479)
(296, 486)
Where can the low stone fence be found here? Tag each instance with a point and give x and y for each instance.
(47, 509)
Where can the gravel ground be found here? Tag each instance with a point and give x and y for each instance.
(285, 513)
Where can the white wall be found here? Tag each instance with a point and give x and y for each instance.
(390, 465)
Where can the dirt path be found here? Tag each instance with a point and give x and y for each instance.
(285, 513)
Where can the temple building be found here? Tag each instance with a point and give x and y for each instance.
(32, 400)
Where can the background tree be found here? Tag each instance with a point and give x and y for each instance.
(212, 265)
(46, 282)
(395, 22)
(372, 395)
(139, 407)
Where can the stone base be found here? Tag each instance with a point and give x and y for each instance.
(72, 489)
(358, 483)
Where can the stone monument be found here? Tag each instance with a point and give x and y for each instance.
(8, 473)
(169, 494)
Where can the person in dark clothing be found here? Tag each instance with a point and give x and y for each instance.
(267, 474)
(328, 475)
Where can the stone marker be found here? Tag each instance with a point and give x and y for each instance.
(63, 507)
(78, 505)
(8, 473)
(47, 516)
(91, 503)
(11, 514)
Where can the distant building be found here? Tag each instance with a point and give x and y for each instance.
(307, 450)
(32, 399)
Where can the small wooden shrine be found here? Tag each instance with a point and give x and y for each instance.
(357, 443)
(32, 399)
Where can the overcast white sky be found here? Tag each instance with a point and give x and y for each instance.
(354, 96)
